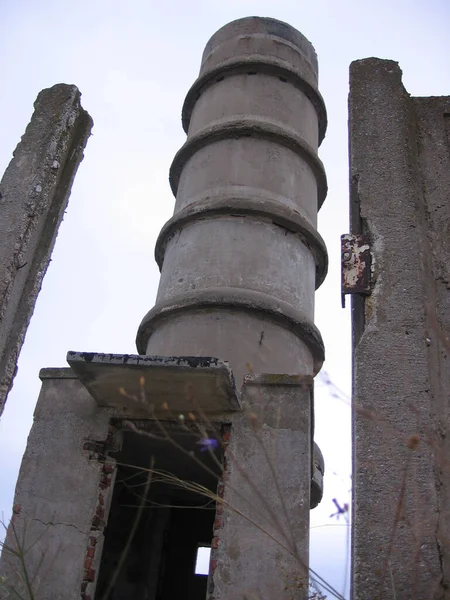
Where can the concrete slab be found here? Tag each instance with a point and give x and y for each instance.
(139, 386)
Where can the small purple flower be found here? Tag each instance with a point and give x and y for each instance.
(208, 444)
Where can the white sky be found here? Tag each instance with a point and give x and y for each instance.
(134, 62)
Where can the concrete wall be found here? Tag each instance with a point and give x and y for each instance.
(400, 188)
(261, 533)
(58, 514)
(34, 193)
(64, 492)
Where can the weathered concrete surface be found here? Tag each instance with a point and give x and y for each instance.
(145, 386)
(34, 193)
(261, 533)
(400, 182)
(57, 492)
(62, 498)
(241, 257)
(240, 262)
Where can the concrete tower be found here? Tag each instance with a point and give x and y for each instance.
(240, 260)
(241, 256)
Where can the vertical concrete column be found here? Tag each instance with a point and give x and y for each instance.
(62, 496)
(241, 257)
(240, 261)
(400, 182)
(34, 193)
(260, 547)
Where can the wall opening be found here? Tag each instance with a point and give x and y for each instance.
(159, 530)
(202, 560)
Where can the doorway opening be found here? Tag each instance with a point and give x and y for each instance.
(159, 529)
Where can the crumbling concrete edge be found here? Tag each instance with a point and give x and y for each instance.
(34, 193)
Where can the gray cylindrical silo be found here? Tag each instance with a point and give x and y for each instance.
(241, 257)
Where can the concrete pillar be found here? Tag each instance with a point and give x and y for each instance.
(260, 547)
(62, 496)
(34, 193)
(400, 185)
(241, 257)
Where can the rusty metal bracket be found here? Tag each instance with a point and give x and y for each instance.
(356, 265)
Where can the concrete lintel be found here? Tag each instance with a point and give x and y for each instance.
(140, 386)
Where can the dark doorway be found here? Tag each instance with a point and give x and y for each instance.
(156, 523)
(187, 532)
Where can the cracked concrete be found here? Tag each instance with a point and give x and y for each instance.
(52, 524)
(58, 486)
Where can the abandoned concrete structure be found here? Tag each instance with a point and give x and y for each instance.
(400, 188)
(135, 462)
(34, 192)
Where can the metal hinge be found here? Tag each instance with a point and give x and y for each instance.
(356, 265)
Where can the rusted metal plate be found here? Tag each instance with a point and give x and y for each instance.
(356, 265)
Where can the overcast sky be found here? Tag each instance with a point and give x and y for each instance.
(134, 61)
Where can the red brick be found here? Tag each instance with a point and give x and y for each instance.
(91, 575)
(215, 542)
(105, 482)
(96, 522)
(91, 552)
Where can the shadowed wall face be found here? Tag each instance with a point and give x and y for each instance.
(241, 257)
(400, 182)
